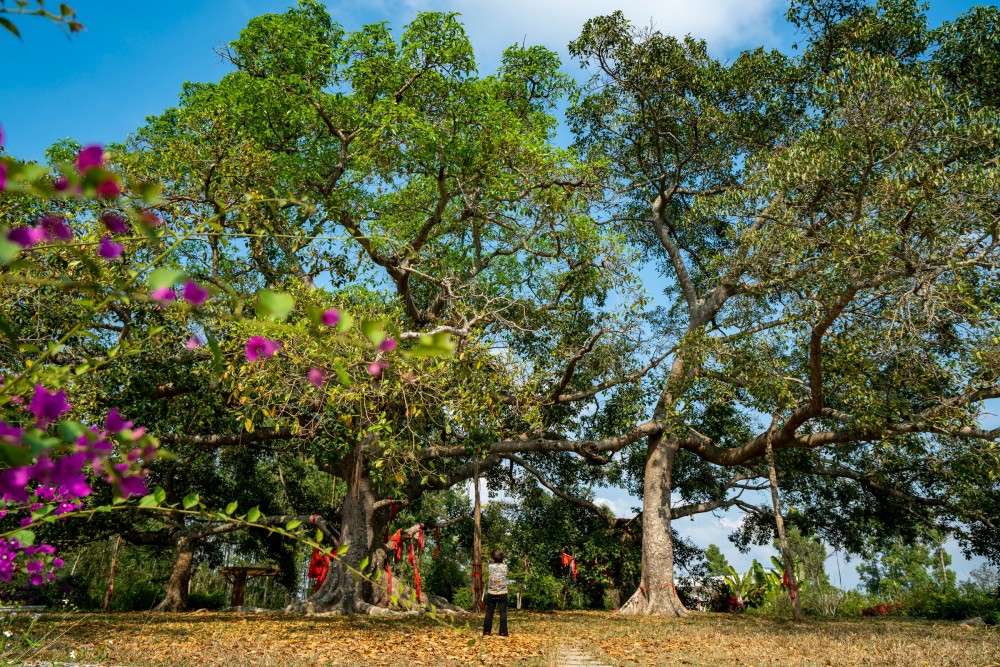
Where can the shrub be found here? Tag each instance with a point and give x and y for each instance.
(462, 598)
(883, 609)
(542, 592)
(212, 601)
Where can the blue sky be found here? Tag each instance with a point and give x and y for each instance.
(130, 63)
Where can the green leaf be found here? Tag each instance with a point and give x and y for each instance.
(342, 549)
(274, 305)
(159, 494)
(319, 535)
(342, 375)
(231, 507)
(8, 249)
(148, 501)
(293, 524)
(163, 277)
(364, 564)
(12, 455)
(6, 23)
(25, 537)
(345, 323)
(374, 330)
(253, 514)
(190, 500)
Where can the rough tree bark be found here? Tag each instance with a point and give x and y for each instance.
(656, 595)
(177, 588)
(779, 522)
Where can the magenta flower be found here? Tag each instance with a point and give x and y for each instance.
(163, 295)
(109, 189)
(115, 223)
(388, 345)
(3, 176)
(316, 376)
(330, 317)
(90, 157)
(259, 347)
(132, 486)
(194, 294)
(13, 483)
(150, 219)
(61, 184)
(115, 423)
(47, 407)
(375, 368)
(55, 228)
(194, 342)
(108, 249)
(26, 236)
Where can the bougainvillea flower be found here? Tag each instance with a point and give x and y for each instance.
(55, 228)
(150, 219)
(13, 483)
(194, 294)
(316, 376)
(194, 342)
(330, 317)
(115, 223)
(10, 434)
(108, 249)
(47, 406)
(26, 236)
(163, 295)
(259, 347)
(61, 184)
(89, 157)
(109, 189)
(388, 345)
(375, 368)
(132, 486)
(115, 423)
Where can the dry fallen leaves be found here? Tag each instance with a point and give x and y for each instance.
(227, 640)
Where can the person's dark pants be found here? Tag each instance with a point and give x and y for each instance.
(493, 601)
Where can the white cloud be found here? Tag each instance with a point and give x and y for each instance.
(724, 23)
(492, 26)
(621, 508)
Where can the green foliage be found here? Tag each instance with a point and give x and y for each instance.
(542, 592)
(715, 562)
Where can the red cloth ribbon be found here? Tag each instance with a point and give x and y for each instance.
(410, 559)
(572, 565)
(319, 567)
(566, 558)
(420, 538)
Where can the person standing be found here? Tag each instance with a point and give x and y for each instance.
(496, 594)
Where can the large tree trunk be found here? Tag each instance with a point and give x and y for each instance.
(779, 522)
(180, 576)
(656, 595)
(342, 591)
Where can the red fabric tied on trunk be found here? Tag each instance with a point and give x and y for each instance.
(410, 559)
(388, 583)
(420, 539)
(572, 565)
(319, 567)
(566, 558)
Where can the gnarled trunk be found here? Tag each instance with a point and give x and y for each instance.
(656, 595)
(343, 591)
(180, 576)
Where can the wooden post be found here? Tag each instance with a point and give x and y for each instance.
(786, 553)
(239, 588)
(111, 576)
(267, 585)
(477, 545)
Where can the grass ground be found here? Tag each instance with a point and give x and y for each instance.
(228, 640)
